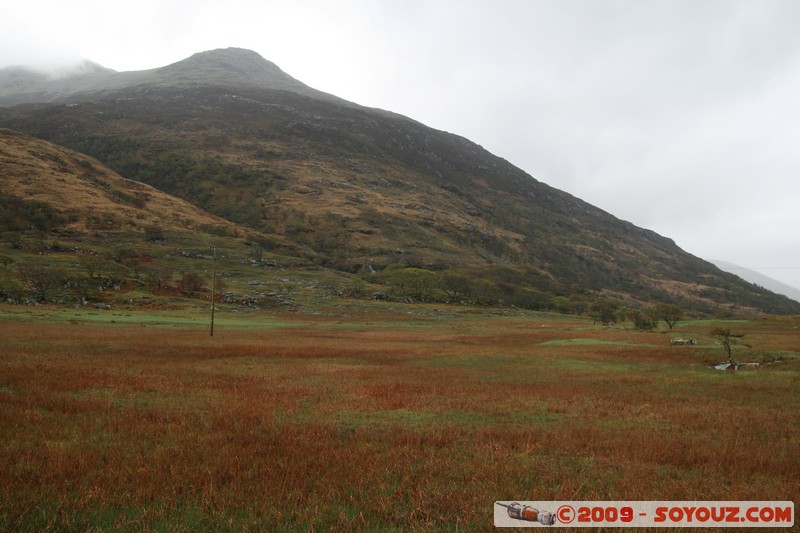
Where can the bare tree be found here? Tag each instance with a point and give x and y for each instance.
(43, 282)
(727, 339)
(191, 282)
(455, 284)
(257, 254)
(159, 273)
(669, 313)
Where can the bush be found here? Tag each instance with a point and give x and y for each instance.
(191, 282)
(456, 285)
(643, 320)
(17, 214)
(604, 311)
(11, 290)
(154, 233)
(42, 282)
(414, 284)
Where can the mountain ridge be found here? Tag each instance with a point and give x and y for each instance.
(365, 189)
(758, 278)
(227, 67)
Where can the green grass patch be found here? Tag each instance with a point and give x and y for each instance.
(586, 342)
(188, 318)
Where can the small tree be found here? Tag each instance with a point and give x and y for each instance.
(159, 274)
(727, 339)
(643, 320)
(219, 286)
(82, 287)
(91, 264)
(257, 254)
(356, 286)
(605, 311)
(412, 283)
(43, 282)
(10, 289)
(154, 233)
(13, 239)
(455, 284)
(561, 304)
(191, 282)
(419, 283)
(486, 292)
(669, 313)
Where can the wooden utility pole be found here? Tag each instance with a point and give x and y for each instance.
(213, 284)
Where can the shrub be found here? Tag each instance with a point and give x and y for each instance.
(604, 311)
(191, 282)
(154, 233)
(42, 282)
(642, 320)
(11, 289)
(669, 313)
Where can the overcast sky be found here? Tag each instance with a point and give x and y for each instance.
(681, 116)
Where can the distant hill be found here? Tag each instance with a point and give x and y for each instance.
(362, 190)
(760, 279)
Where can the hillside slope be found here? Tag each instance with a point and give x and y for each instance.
(74, 232)
(85, 195)
(364, 189)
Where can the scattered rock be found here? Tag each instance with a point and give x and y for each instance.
(732, 365)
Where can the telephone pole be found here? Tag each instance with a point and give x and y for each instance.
(213, 284)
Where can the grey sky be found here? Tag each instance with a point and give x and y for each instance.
(681, 116)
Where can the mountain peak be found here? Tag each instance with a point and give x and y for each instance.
(235, 66)
(232, 56)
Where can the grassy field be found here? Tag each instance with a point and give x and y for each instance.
(411, 418)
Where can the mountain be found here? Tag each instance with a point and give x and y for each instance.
(759, 279)
(19, 84)
(233, 67)
(361, 190)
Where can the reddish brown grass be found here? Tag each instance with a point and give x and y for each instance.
(322, 427)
